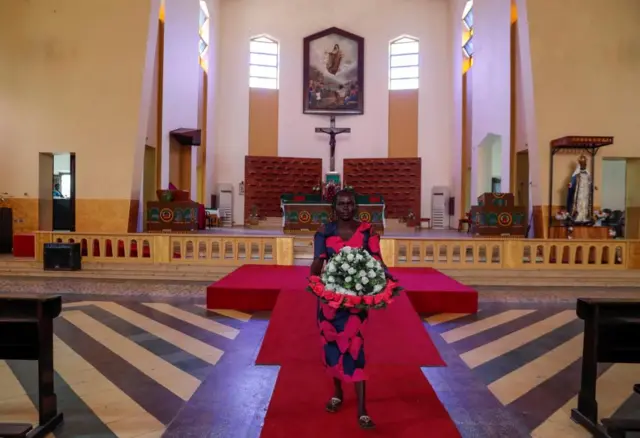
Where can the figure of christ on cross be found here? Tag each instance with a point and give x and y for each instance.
(332, 131)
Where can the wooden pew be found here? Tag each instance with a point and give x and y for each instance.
(26, 333)
(611, 335)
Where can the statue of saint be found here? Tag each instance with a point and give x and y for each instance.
(579, 199)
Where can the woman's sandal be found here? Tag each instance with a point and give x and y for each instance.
(366, 422)
(334, 405)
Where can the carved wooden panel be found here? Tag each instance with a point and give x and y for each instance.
(266, 178)
(397, 179)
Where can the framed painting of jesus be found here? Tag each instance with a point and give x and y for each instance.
(333, 77)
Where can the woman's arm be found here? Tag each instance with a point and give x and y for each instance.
(319, 251)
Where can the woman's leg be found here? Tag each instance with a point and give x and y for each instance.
(361, 395)
(337, 389)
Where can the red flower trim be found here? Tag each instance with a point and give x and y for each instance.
(337, 300)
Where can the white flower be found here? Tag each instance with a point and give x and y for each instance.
(331, 267)
(351, 271)
(358, 286)
(350, 257)
(362, 274)
(340, 289)
(370, 264)
(377, 288)
(345, 267)
(330, 286)
(347, 249)
(359, 257)
(331, 279)
(348, 280)
(365, 280)
(337, 258)
(371, 274)
(350, 292)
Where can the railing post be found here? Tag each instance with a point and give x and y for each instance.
(41, 237)
(388, 251)
(284, 251)
(161, 251)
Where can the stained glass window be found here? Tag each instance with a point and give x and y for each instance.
(203, 46)
(467, 30)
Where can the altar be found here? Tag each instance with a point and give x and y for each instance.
(307, 212)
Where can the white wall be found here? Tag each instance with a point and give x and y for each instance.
(181, 78)
(491, 106)
(496, 161)
(61, 163)
(614, 184)
(289, 22)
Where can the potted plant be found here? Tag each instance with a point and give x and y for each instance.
(254, 217)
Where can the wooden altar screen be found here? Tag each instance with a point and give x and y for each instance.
(398, 180)
(267, 178)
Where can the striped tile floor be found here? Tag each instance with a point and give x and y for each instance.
(526, 360)
(123, 369)
(145, 367)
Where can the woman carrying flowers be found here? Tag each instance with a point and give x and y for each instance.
(354, 280)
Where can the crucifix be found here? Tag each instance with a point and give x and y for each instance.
(332, 131)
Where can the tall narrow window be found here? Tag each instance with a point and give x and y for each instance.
(404, 64)
(263, 63)
(467, 33)
(204, 35)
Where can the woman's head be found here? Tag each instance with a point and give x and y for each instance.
(344, 205)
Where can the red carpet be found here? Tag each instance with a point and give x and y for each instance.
(400, 399)
(253, 288)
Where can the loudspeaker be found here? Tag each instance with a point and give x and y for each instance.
(6, 230)
(452, 206)
(62, 257)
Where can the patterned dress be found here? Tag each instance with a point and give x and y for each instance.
(341, 329)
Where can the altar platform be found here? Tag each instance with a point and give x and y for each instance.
(256, 288)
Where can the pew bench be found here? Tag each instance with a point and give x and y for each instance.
(26, 333)
(611, 335)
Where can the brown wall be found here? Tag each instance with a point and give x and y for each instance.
(263, 122)
(266, 178)
(397, 179)
(403, 123)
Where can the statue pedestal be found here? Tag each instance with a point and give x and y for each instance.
(579, 232)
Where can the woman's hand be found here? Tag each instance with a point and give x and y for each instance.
(388, 276)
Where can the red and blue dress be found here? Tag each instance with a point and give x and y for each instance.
(341, 329)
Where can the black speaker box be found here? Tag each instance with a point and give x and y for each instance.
(6, 230)
(62, 257)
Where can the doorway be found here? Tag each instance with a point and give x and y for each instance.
(64, 192)
(489, 175)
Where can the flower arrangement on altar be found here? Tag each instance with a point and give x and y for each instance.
(329, 192)
(353, 278)
(563, 216)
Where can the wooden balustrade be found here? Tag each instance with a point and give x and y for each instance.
(535, 254)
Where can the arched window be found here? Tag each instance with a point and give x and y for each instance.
(404, 64)
(263, 63)
(204, 35)
(467, 33)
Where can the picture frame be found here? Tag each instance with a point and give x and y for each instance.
(333, 73)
